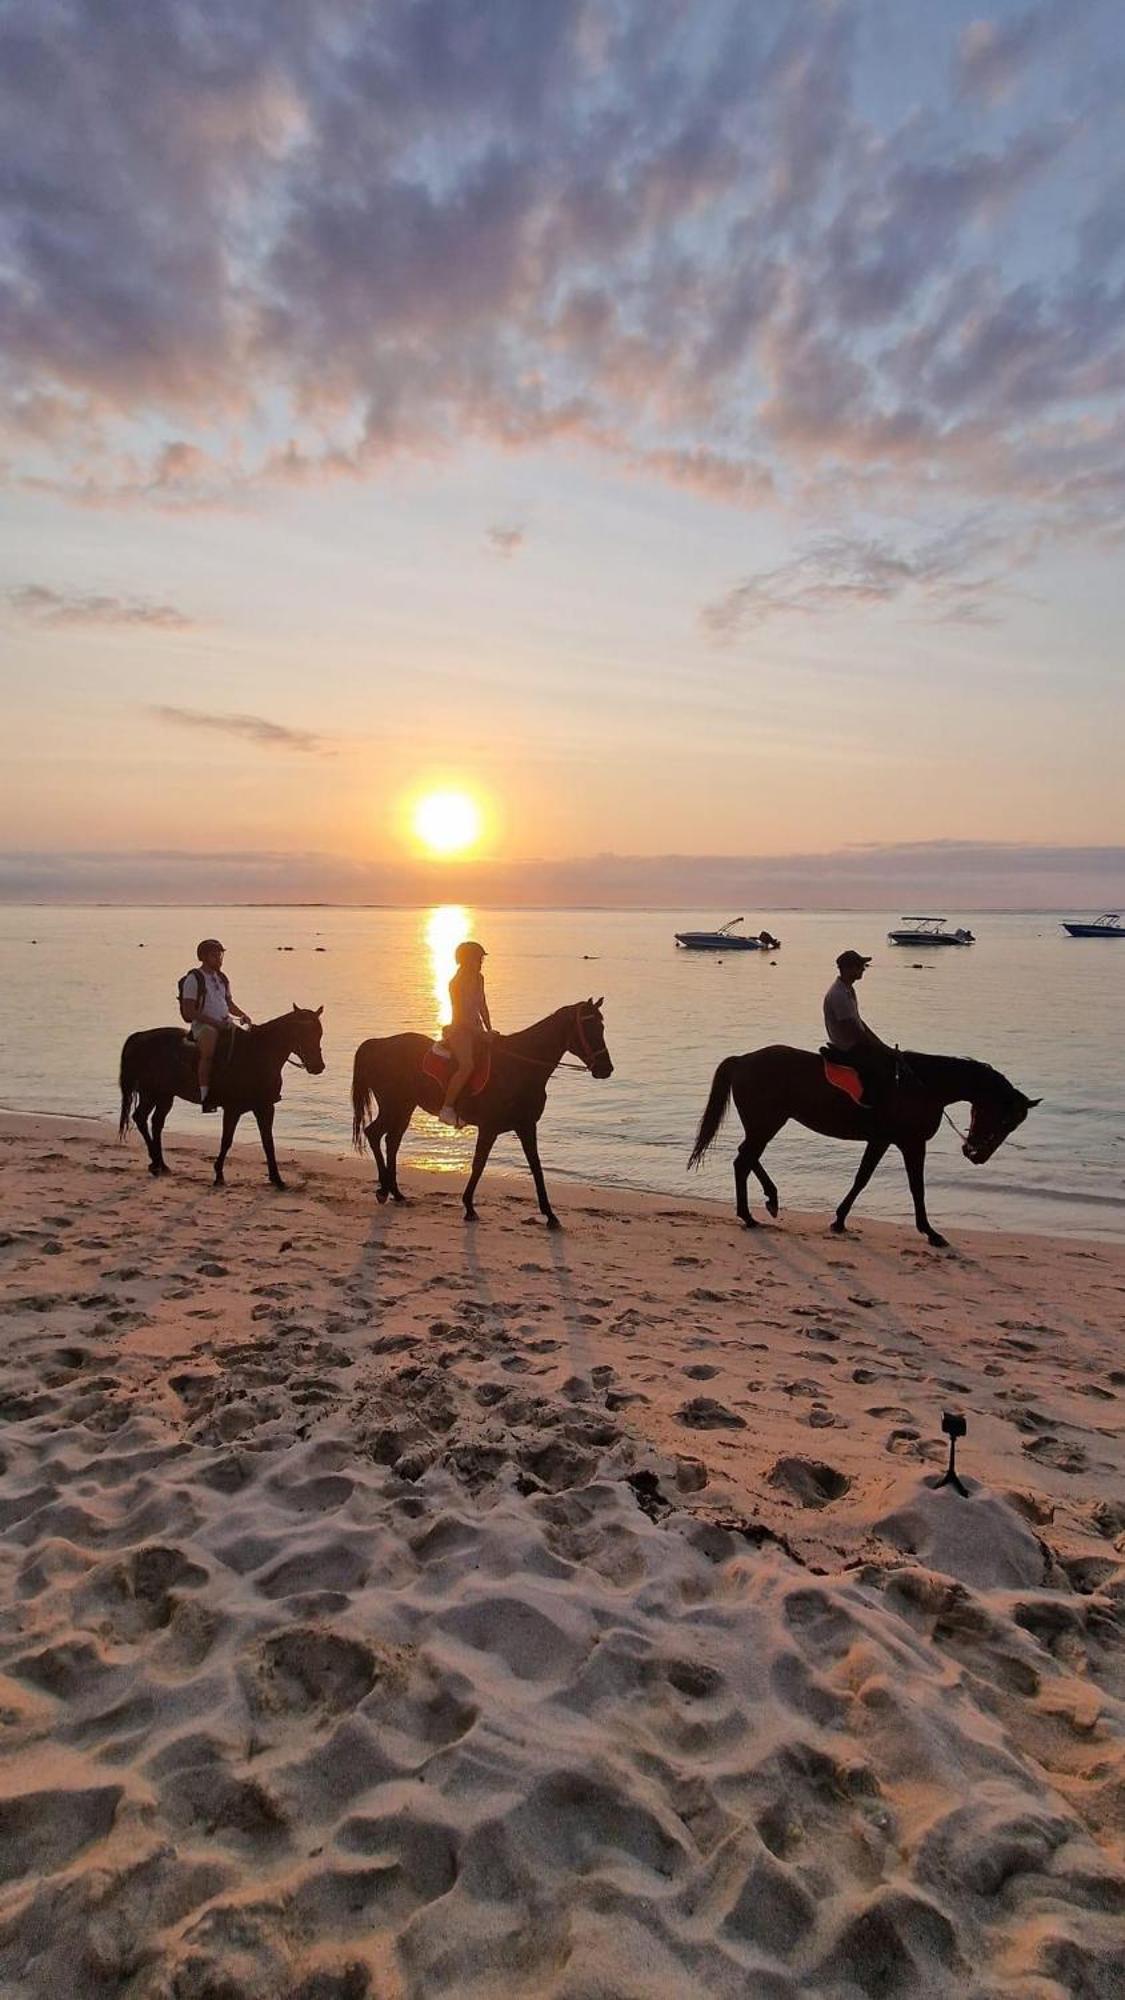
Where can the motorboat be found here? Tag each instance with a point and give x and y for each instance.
(724, 939)
(1107, 926)
(928, 931)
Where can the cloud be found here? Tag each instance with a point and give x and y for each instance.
(505, 541)
(950, 577)
(992, 56)
(56, 608)
(249, 728)
(312, 240)
(980, 875)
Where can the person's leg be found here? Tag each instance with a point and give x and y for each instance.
(460, 1040)
(206, 1038)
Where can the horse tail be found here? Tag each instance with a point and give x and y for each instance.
(715, 1110)
(362, 1099)
(130, 1095)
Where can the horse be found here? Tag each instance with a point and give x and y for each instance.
(388, 1072)
(158, 1064)
(772, 1085)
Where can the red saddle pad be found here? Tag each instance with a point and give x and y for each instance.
(841, 1077)
(438, 1062)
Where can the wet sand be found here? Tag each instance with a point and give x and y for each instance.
(394, 1608)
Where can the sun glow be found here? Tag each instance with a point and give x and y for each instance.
(445, 927)
(447, 822)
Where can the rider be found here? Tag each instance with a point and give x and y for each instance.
(208, 1004)
(849, 1036)
(471, 1021)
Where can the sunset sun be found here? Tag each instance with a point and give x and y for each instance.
(447, 822)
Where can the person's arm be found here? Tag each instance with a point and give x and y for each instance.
(874, 1041)
(484, 1013)
(237, 1011)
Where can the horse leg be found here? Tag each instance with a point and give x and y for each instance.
(747, 1161)
(140, 1119)
(872, 1154)
(743, 1161)
(373, 1133)
(160, 1112)
(264, 1117)
(529, 1140)
(486, 1139)
(914, 1160)
(768, 1188)
(395, 1136)
(230, 1127)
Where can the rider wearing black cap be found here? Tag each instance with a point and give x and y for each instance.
(849, 1036)
(471, 1021)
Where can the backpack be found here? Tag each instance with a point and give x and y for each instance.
(197, 998)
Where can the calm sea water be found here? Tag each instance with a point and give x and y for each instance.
(1043, 1008)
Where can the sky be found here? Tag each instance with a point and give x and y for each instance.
(693, 428)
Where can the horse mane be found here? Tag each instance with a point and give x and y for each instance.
(979, 1079)
(557, 1014)
(260, 1027)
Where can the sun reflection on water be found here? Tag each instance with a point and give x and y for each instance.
(445, 927)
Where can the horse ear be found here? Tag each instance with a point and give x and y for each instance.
(1032, 1102)
(319, 1012)
(600, 998)
(296, 1009)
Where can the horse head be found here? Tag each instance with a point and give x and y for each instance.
(995, 1117)
(307, 1034)
(587, 1038)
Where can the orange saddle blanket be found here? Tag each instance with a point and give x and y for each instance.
(438, 1064)
(842, 1077)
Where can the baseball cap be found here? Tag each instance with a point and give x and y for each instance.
(847, 959)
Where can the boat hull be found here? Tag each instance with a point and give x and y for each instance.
(702, 941)
(928, 943)
(1095, 930)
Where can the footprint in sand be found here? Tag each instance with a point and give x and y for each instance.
(1052, 1451)
(703, 1413)
(809, 1481)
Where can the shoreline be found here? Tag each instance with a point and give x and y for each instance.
(394, 1609)
(340, 1154)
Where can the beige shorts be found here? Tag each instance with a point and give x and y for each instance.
(199, 1028)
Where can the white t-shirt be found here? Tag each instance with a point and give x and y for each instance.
(842, 1021)
(214, 1010)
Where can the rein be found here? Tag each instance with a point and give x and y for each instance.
(903, 1068)
(540, 1062)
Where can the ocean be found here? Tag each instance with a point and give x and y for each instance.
(1043, 1008)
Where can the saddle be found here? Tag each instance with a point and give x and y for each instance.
(842, 1076)
(438, 1063)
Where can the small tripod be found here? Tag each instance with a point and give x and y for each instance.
(954, 1427)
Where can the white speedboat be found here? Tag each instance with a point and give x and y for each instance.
(724, 940)
(1107, 926)
(928, 931)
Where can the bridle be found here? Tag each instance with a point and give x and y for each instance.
(588, 1054)
(903, 1068)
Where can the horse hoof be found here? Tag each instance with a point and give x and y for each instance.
(381, 1196)
(398, 1196)
(471, 1215)
(553, 1222)
(772, 1205)
(748, 1222)
(838, 1228)
(937, 1242)
(279, 1184)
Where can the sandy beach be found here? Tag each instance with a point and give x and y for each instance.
(393, 1608)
